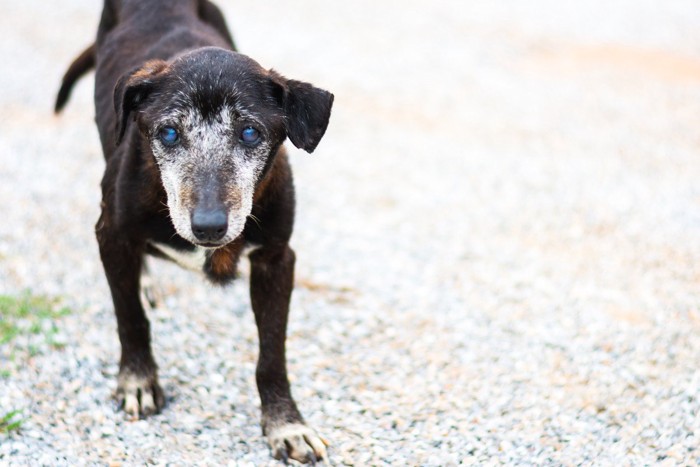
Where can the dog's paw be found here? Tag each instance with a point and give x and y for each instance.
(296, 441)
(139, 395)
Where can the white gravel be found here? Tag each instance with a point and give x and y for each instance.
(498, 242)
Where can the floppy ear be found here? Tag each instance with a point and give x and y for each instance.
(307, 110)
(132, 89)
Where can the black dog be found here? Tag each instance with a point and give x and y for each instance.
(192, 134)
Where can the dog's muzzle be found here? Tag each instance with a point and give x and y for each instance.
(209, 225)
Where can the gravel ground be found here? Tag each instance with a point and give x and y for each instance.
(498, 255)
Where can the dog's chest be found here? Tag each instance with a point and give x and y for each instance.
(219, 265)
(188, 259)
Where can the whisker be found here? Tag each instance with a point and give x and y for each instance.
(256, 220)
(165, 208)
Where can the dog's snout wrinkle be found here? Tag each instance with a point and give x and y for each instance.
(209, 224)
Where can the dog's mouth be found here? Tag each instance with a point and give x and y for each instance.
(211, 245)
(209, 228)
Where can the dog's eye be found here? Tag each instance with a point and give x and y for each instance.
(250, 135)
(168, 135)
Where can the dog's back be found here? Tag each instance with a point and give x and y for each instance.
(134, 31)
(165, 28)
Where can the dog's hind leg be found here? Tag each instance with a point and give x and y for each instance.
(149, 289)
(271, 282)
(138, 391)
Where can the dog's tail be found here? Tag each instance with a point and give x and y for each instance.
(81, 65)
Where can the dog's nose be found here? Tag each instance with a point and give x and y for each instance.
(209, 225)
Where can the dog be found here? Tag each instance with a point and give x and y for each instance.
(192, 135)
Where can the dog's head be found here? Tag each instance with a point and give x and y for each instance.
(214, 120)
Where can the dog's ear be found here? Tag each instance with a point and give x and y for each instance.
(307, 110)
(132, 89)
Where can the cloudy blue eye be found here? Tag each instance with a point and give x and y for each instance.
(168, 135)
(250, 135)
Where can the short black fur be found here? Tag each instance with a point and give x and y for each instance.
(140, 77)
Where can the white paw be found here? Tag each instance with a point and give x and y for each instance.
(139, 395)
(296, 441)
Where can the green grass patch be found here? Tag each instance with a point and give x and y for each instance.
(27, 327)
(10, 422)
(29, 314)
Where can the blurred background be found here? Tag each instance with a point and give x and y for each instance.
(497, 241)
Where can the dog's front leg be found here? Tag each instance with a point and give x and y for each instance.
(271, 282)
(138, 391)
